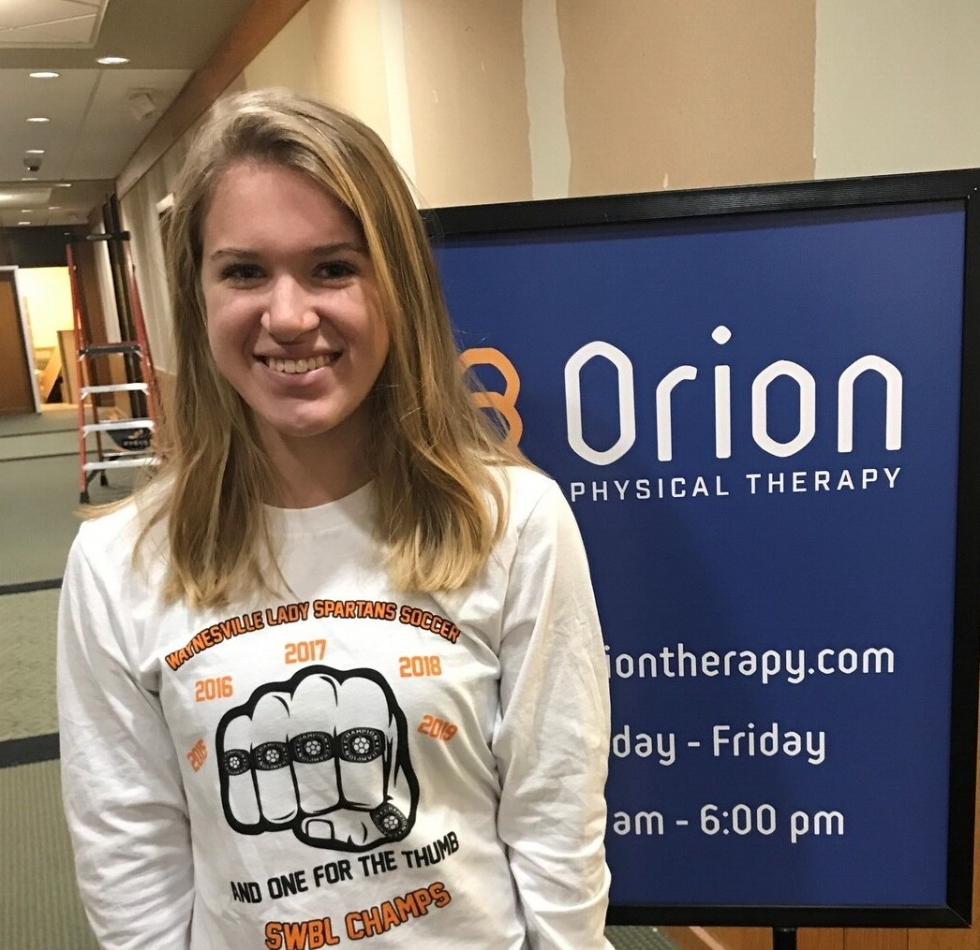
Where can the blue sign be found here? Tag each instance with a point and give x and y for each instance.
(756, 420)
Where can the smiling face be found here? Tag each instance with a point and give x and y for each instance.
(293, 314)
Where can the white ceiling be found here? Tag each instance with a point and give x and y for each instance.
(97, 113)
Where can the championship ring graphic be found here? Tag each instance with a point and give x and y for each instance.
(324, 755)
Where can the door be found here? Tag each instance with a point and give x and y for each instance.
(16, 391)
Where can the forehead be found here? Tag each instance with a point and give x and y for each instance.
(256, 201)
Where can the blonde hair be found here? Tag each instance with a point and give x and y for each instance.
(431, 453)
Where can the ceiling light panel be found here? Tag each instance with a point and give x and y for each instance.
(61, 23)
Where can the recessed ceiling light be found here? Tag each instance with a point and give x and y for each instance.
(38, 118)
(35, 151)
(54, 207)
(45, 74)
(29, 178)
(62, 184)
(25, 210)
(22, 223)
(112, 60)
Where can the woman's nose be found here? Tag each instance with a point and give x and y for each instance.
(289, 311)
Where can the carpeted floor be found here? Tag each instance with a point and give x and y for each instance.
(16, 447)
(27, 642)
(39, 497)
(53, 419)
(39, 904)
(38, 501)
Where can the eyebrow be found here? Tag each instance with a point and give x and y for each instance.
(244, 253)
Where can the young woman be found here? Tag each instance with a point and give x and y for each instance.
(336, 673)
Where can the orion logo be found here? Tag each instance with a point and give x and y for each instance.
(505, 403)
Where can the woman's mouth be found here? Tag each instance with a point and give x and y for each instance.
(292, 367)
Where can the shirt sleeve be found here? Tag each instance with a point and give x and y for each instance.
(121, 783)
(552, 740)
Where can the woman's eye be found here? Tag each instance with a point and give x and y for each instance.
(336, 270)
(241, 273)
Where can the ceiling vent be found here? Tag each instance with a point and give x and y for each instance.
(141, 104)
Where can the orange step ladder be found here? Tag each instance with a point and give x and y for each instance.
(131, 437)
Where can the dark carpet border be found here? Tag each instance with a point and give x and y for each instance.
(29, 751)
(27, 587)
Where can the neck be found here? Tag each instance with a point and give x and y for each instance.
(315, 471)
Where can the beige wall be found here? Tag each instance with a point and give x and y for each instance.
(669, 93)
(351, 68)
(896, 86)
(464, 61)
(441, 81)
(340, 51)
(544, 87)
(289, 60)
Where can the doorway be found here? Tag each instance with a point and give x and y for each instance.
(45, 295)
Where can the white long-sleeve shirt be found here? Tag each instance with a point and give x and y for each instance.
(345, 762)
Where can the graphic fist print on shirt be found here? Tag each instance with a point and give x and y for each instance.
(324, 755)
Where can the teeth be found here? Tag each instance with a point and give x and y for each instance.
(297, 366)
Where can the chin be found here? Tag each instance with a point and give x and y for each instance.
(299, 427)
(301, 430)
